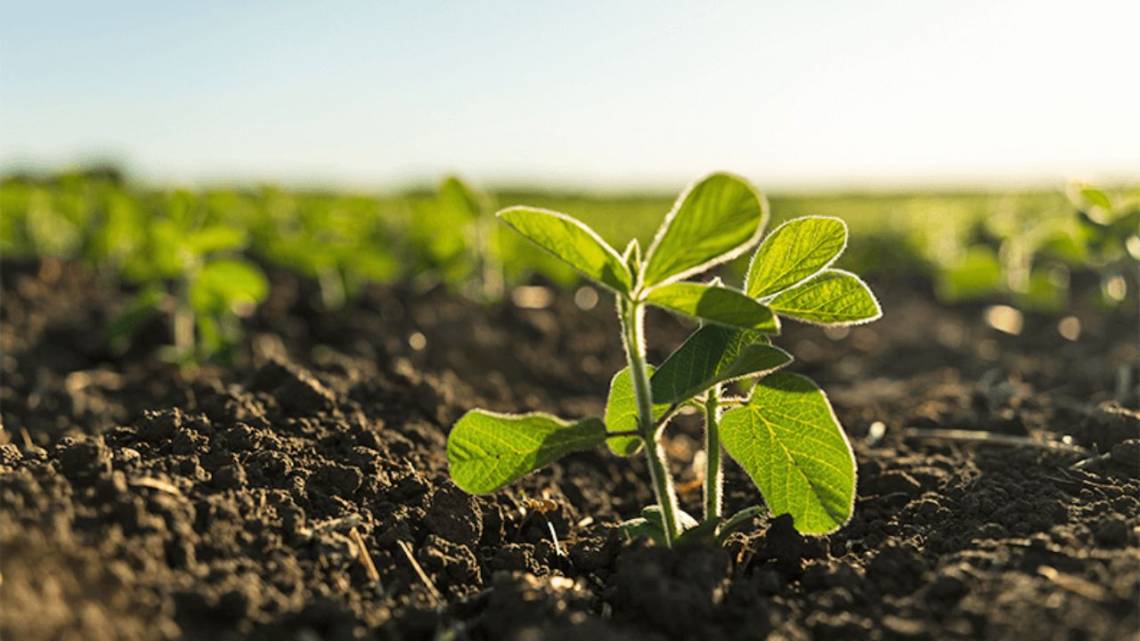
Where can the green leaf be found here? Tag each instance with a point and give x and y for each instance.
(139, 309)
(794, 252)
(721, 305)
(789, 442)
(652, 513)
(640, 526)
(573, 242)
(977, 274)
(487, 450)
(1096, 197)
(215, 238)
(714, 355)
(457, 198)
(651, 526)
(227, 286)
(632, 258)
(714, 220)
(621, 413)
(833, 298)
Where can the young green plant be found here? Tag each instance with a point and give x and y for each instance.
(189, 269)
(783, 432)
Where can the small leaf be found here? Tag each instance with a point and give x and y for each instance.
(833, 298)
(487, 450)
(789, 442)
(715, 220)
(714, 355)
(621, 414)
(459, 199)
(632, 258)
(1096, 197)
(215, 238)
(794, 252)
(639, 527)
(573, 242)
(977, 274)
(652, 513)
(227, 285)
(720, 305)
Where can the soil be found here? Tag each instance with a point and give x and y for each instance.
(302, 493)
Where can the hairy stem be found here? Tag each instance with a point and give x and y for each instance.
(633, 322)
(714, 475)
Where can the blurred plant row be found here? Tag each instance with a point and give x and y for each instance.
(198, 258)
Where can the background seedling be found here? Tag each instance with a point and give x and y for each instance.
(189, 267)
(783, 432)
(456, 233)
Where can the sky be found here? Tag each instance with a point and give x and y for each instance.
(605, 94)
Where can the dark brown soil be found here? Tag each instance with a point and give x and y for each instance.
(303, 493)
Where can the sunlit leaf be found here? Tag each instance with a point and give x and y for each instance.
(487, 450)
(720, 305)
(794, 252)
(791, 445)
(573, 242)
(834, 298)
(227, 285)
(715, 220)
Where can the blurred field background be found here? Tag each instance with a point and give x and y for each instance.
(989, 152)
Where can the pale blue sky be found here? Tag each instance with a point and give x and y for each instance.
(576, 93)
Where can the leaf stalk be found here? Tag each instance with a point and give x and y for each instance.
(714, 473)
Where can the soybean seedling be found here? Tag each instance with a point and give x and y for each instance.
(456, 234)
(211, 288)
(783, 432)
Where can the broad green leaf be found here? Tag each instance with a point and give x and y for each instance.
(573, 242)
(227, 285)
(789, 442)
(714, 355)
(714, 220)
(835, 297)
(621, 413)
(721, 305)
(487, 450)
(794, 252)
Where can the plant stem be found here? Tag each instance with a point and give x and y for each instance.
(633, 321)
(714, 475)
